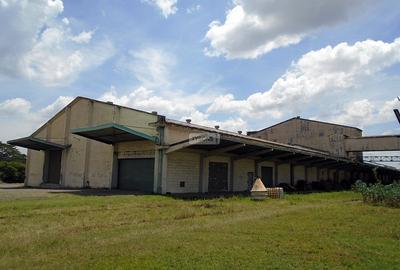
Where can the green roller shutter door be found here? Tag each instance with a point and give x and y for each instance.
(136, 174)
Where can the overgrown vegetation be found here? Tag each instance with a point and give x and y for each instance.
(12, 164)
(332, 230)
(378, 193)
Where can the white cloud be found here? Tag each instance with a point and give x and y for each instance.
(21, 119)
(65, 21)
(153, 68)
(177, 106)
(331, 70)
(231, 124)
(167, 7)
(255, 27)
(53, 108)
(150, 66)
(39, 45)
(83, 37)
(148, 100)
(193, 9)
(14, 106)
(361, 113)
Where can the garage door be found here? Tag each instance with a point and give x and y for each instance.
(136, 174)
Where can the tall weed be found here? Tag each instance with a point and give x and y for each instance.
(388, 195)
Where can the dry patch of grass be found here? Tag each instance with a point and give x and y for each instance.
(317, 231)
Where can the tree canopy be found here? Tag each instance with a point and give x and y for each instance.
(12, 164)
(11, 153)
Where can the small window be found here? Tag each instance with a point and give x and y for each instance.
(182, 184)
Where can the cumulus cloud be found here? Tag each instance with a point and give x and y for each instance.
(155, 92)
(151, 66)
(21, 119)
(365, 112)
(83, 37)
(14, 106)
(54, 107)
(167, 7)
(37, 44)
(316, 74)
(255, 27)
(178, 106)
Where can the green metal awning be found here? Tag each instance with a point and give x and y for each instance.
(37, 144)
(112, 133)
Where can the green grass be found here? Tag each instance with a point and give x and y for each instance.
(317, 231)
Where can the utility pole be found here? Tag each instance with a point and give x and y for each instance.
(396, 112)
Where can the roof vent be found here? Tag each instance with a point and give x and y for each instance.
(110, 102)
(298, 117)
(240, 132)
(216, 127)
(154, 112)
(188, 121)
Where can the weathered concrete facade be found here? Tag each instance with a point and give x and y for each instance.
(309, 133)
(86, 162)
(373, 143)
(101, 145)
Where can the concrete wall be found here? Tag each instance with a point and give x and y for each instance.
(35, 162)
(174, 134)
(299, 173)
(312, 174)
(313, 134)
(183, 167)
(86, 161)
(323, 174)
(284, 173)
(241, 168)
(135, 149)
(373, 143)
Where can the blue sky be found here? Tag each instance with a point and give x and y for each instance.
(241, 64)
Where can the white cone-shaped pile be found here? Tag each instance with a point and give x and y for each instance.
(258, 186)
(258, 191)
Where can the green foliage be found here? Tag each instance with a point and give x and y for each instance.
(378, 193)
(12, 164)
(10, 153)
(12, 171)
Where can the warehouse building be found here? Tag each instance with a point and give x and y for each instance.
(94, 144)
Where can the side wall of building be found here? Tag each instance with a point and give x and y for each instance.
(313, 134)
(184, 166)
(86, 162)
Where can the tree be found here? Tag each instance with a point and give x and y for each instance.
(12, 164)
(11, 153)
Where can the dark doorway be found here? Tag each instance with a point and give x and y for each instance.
(218, 177)
(52, 166)
(136, 174)
(267, 176)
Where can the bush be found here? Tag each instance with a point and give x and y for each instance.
(12, 171)
(378, 193)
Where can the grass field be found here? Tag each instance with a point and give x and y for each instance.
(316, 231)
